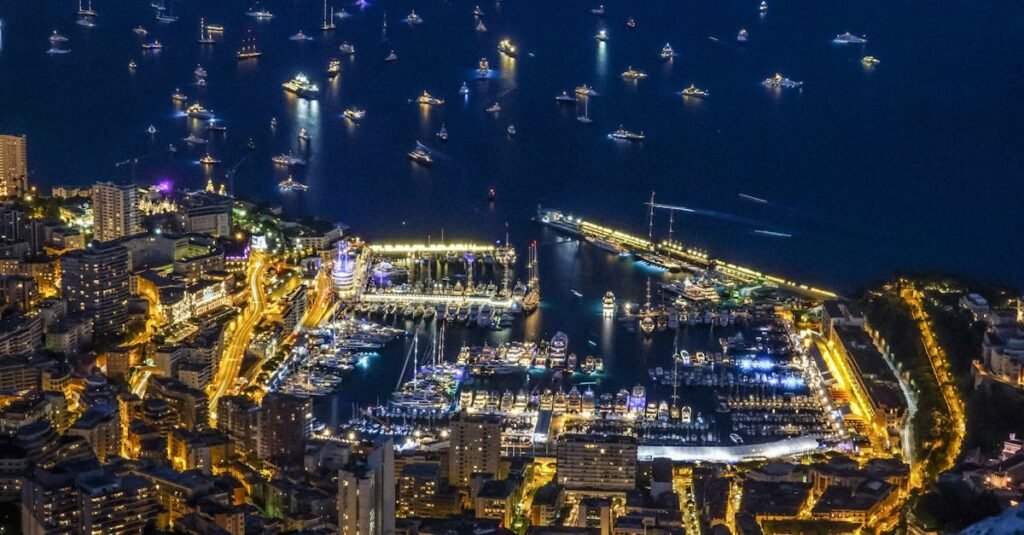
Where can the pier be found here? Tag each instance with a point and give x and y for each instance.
(669, 254)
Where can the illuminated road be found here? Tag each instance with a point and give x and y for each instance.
(237, 340)
(947, 385)
(323, 301)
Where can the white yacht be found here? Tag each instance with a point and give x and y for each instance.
(391, 57)
(847, 38)
(779, 81)
(667, 52)
(413, 18)
(743, 36)
(464, 90)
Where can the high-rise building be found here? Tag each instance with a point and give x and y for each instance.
(475, 448)
(115, 211)
(238, 418)
(366, 494)
(284, 425)
(191, 405)
(597, 462)
(63, 501)
(96, 286)
(13, 166)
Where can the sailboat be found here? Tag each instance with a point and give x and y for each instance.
(328, 24)
(249, 50)
(165, 16)
(585, 118)
(204, 34)
(86, 11)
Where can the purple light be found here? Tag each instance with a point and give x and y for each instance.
(165, 186)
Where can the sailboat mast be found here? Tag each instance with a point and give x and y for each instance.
(650, 221)
(671, 220)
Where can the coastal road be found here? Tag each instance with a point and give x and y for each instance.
(238, 339)
(322, 302)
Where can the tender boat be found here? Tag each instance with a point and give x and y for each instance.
(495, 108)
(347, 49)
(599, 10)
(442, 134)
(333, 68)
(131, 65)
(209, 160)
(586, 91)
(464, 90)
(178, 96)
(601, 36)
(631, 23)
(151, 130)
(413, 18)
(200, 72)
(300, 37)
(869, 61)
(511, 130)
(391, 57)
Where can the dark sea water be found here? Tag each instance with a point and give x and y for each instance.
(914, 164)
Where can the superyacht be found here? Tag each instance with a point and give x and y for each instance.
(586, 91)
(667, 52)
(197, 111)
(695, 92)
(288, 160)
(848, 38)
(633, 74)
(302, 87)
(421, 155)
(626, 135)
(429, 100)
(781, 82)
(290, 184)
(354, 114)
(507, 47)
